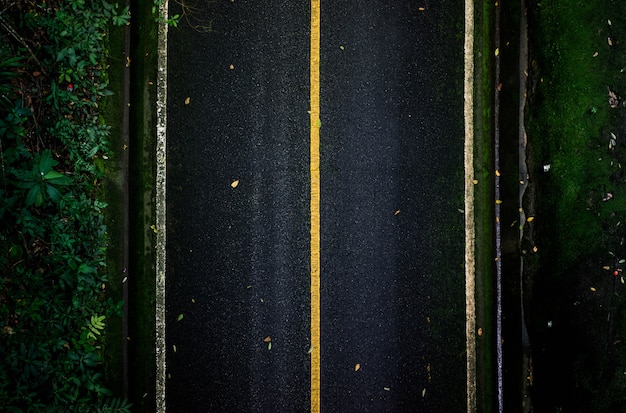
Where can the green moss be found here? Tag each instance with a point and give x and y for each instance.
(483, 204)
(570, 120)
(569, 127)
(141, 193)
(112, 194)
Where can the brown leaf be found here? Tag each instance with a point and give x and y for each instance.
(267, 339)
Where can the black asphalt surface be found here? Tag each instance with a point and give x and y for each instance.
(392, 278)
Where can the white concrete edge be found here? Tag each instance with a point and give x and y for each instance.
(161, 131)
(470, 270)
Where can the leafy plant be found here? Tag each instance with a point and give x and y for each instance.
(53, 239)
(42, 182)
(95, 326)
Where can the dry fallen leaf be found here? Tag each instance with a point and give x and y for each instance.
(530, 219)
(497, 52)
(187, 100)
(593, 289)
(36, 73)
(475, 181)
(498, 201)
(480, 331)
(357, 367)
(497, 173)
(127, 61)
(234, 183)
(606, 267)
(397, 212)
(535, 249)
(609, 41)
(595, 54)
(421, 8)
(231, 67)
(267, 339)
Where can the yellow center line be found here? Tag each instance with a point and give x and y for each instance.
(315, 205)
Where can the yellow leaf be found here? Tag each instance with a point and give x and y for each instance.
(357, 367)
(497, 173)
(421, 8)
(480, 331)
(231, 67)
(498, 201)
(606, 267)
(530, 219)
(187, 100)
(535, 249)
(593, 289)
(234, 183)
(475, 181)
(397, 212)
(497, 52)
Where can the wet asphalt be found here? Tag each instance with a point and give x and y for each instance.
(392, 238)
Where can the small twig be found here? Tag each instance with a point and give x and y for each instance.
(7, 27)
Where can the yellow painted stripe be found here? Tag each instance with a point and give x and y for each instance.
(315, 206)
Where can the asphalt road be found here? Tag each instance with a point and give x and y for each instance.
(238, 220)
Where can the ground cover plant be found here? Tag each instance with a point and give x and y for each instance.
(576, 248)
(54, 305)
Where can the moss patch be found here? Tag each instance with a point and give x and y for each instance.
(577, 50)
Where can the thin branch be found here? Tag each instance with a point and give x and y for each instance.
(7, 27)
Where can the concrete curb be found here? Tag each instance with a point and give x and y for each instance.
(160, 200)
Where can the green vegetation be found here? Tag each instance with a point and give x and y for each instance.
(54, 303)
(483, 204)
(574, 125)
(571, 122)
